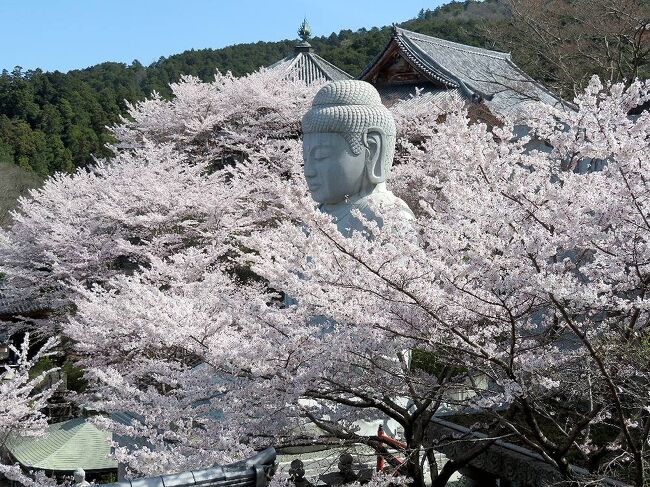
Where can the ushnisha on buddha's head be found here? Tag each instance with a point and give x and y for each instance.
(348, 142)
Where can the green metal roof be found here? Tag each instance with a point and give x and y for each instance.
(66, 446)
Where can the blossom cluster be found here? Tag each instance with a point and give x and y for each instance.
(215, 302)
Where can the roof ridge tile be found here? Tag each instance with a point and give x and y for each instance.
(416, 36)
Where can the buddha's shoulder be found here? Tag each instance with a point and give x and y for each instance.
(388, 200)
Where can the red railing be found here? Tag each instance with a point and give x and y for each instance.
(398, 445)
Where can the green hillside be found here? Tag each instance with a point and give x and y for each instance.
(14, 182)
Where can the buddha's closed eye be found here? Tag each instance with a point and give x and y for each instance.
(320, 154)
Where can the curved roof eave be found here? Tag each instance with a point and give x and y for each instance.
(452, 45)
(431, 68)
(422, 63)
(376, 59)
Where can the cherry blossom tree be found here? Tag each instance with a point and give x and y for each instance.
(161, 192)
(88, 232)
(22, 399)
(525, 273)
(521, 298)
(214, 121)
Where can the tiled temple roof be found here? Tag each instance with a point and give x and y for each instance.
(390, 94)
(477, 73)
(305, 65)
(66, 446)
(18, 307)
(13, 304)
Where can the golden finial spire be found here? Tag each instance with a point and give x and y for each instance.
(304, 31)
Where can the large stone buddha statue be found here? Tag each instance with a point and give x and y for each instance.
(348, 147)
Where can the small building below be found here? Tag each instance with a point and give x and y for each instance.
(65, 447)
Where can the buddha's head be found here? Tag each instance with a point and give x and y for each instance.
(348, 141)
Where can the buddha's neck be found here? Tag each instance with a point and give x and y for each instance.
(355, 199)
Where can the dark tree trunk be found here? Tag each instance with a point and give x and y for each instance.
(413, 466)
(445, 474)
(433, 465)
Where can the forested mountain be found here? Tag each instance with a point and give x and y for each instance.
(53, 121)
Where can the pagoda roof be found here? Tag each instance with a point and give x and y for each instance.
(305, 65)
(479, 74)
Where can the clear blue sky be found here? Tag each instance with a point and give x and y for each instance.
(69, 34)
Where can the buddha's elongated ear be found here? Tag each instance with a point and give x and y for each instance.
(374, 141)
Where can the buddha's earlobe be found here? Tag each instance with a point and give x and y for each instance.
(373, 140)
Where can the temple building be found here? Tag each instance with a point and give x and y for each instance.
(489, 81)
(441, 68)
(14, 308)
(305, 65)
(65, 447)
(18, 308)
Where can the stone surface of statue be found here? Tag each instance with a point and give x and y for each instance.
(80, 478)
(348, 147)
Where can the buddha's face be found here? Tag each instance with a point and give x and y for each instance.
(332, 171)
